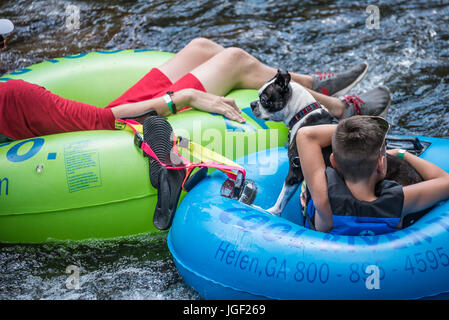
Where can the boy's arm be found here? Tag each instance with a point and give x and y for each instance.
(310, 141)
(433, 189)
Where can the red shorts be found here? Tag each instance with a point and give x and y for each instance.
(28, 110)
(155, 84)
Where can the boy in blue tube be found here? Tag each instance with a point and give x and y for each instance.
(352, 197)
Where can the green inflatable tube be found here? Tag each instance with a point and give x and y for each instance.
(94, 184)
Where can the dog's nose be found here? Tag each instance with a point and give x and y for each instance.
(253, 105)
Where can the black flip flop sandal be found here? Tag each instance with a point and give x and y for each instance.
(158, 134)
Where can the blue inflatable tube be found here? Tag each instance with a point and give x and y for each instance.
(228, 250)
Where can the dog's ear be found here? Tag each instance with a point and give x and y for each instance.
(283, 78)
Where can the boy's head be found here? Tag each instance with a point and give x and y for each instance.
(358, 148)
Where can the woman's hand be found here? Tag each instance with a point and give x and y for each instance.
(211, 103)
(186, 97)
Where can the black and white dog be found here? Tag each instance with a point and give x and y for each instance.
(286, 101)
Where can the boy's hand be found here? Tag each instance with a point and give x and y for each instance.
(393, 152)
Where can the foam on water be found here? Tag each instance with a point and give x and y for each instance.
(137, 267)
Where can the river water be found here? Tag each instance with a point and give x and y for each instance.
(408, 52)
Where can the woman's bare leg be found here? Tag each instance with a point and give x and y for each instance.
(197, 52)
(332, 104)
(221, 70)
(233, 68)
(230, 69)
(305, 80)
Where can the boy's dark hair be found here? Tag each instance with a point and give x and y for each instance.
(357, 145)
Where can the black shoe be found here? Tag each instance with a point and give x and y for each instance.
(158, 134)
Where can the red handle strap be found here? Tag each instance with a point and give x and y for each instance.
(189, 166)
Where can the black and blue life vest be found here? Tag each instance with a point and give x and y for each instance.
(355, 217)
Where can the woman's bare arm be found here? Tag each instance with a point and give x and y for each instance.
(186, 97)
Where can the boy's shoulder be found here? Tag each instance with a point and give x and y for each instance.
(389, 203)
